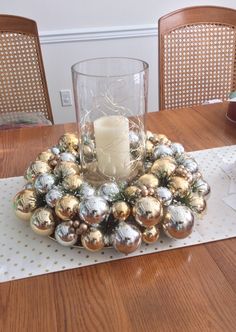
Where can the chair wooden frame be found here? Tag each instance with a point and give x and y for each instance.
(207, 76)
(22, 73)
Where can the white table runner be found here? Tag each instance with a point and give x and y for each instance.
(24, 254)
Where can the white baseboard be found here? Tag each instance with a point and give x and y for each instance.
(100, 33)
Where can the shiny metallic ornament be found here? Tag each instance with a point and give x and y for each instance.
(197, 203)
(164, 195)
(132, 193)
(179, 185)
(28, 185)
(178, 221)
(45, 156)
(86, 191)
(24, 203)
(66, 168)
(55, 150)
(94, 210)
(120, 210)
(149, 149)
(126, 238)
(53, 195)
(67, 207)
(82, 228)
(44, 182)
(109, 191)
(89, 152)
(151, 234)
(164, 167)
(191, 165)
(36, 168)
(69, 142)
(67, 156)
(162, 139)
(72, 182)
(93, 239)
(148, 180)
(149, 134)
(134, 139)
(148, 211)
(196, 176)
(177, 148)
(42, 221)
(183, 172)
(161, 151)
(201, 187)
(65, 235)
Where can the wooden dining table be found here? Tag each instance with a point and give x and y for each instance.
(186, 289)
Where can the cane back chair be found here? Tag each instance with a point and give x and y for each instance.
(197, 56)
(23, 86)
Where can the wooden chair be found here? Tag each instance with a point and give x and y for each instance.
(197, 56)
(23, 86)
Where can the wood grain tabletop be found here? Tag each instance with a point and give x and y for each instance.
(187, 289)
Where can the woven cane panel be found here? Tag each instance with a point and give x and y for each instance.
(21, 85)
(199, 64)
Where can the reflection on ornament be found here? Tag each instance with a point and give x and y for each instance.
(132, 193)
(67, 207)
(65, 235)
(36, 168)
(92, 240)
(197, 203)
(177, 148)
(148, 180)
(109, 191)
(94, 210)
(66, 168)
(72, 182)
(45, 156)
(24, 203)
(42, 221)
(162, 151)
(201, 187)
(147, 211)
(164, 167)
(120, 210)
(44, 182)
(164, 195)
(126, 238)
(52, 196)
(178, 185)
(151, 234)
(191, 165)
(178, 221)
(69, 142)
(67, 156)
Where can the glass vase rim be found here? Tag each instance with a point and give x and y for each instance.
(145, 67)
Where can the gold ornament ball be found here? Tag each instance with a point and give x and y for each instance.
(148, 180)
(42, 221)
(147, 211)
(197, 203)
(67, 207)
(93, 239)
(69, 142)
(45, 156)
(120, 210)
(72, 182)
(149, 148)
(24, 203)
(132, 193)
(164, 166)
(36, 168)
(151, 234)
(66, 168)
(179, 185)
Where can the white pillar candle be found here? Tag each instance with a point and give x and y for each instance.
(112, 145)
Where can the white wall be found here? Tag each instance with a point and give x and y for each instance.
(74, 30)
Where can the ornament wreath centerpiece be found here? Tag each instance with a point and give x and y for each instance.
(165, 195)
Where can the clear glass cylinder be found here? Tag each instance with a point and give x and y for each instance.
(111, 101)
